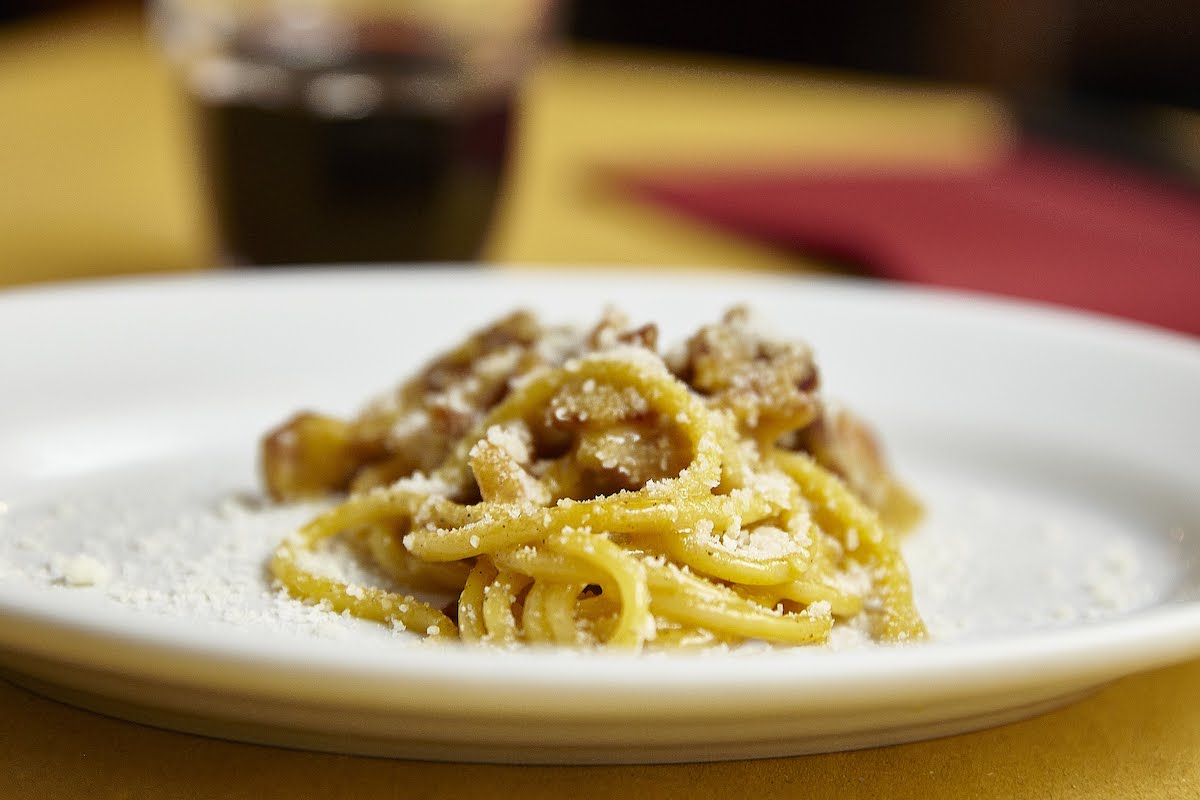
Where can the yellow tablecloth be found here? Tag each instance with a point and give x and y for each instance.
(98, 177)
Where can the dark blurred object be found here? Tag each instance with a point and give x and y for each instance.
(1148, 51)
(1132, 134)
(1085, 74)
(17, 10)
(853, 34)
(1144, 51)
(11, 10)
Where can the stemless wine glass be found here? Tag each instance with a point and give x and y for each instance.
(353, 130)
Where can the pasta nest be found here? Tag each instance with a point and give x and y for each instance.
(719, 539)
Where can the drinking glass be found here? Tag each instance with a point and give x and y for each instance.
(353, 130)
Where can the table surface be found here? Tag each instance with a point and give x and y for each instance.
(99, 177)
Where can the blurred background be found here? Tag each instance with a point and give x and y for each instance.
(1092, 53)
(609, 131)
(1088, 72)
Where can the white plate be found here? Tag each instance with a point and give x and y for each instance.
(1057, 453)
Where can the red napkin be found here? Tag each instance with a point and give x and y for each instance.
(1038, 224)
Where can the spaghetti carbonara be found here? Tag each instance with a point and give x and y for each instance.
(582, 490)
